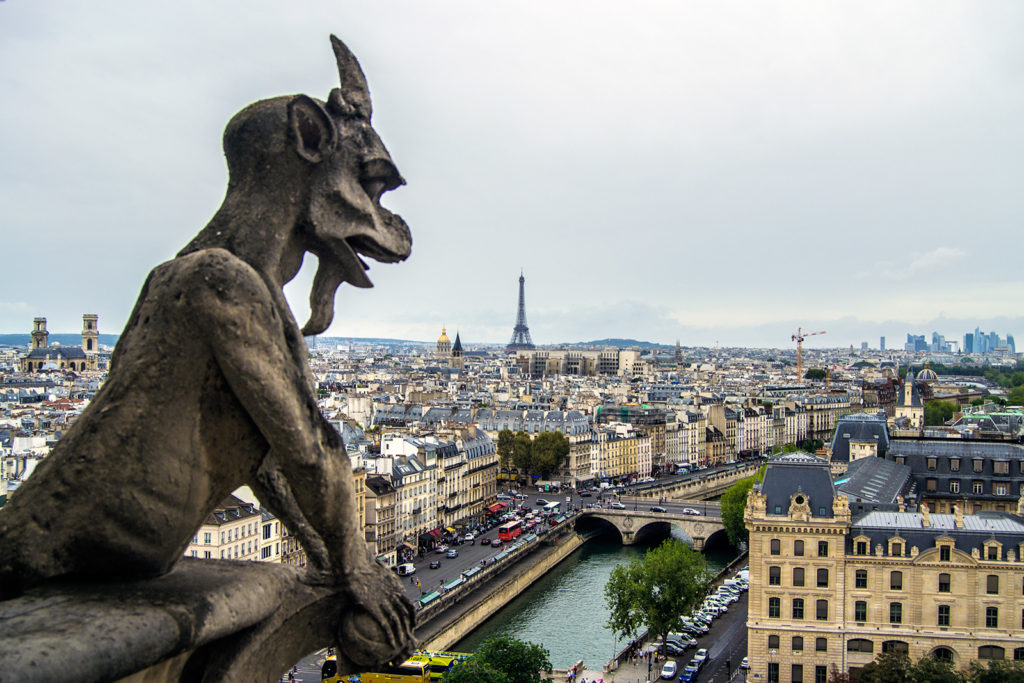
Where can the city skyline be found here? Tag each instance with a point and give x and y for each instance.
(714, 174)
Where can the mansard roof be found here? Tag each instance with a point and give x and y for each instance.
(798, 472)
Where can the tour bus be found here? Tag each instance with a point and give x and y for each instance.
(407, 672)
(438, 664)
(551, 507)
(510, 530)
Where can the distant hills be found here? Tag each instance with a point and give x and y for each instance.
(621, 344)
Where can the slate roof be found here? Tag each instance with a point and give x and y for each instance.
(803, 472)
(874, 480)
(859, 427)
(879, 527)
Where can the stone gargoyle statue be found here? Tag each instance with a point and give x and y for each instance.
(210, 388)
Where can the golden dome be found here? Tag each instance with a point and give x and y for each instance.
(443, 339)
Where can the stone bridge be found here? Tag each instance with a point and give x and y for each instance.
(630, 523)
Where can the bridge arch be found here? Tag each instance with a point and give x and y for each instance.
(632, 524)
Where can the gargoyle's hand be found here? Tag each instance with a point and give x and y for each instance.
(378, 627)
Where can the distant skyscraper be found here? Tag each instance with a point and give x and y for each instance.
(969, 342)
(521, 334)
(881, 343)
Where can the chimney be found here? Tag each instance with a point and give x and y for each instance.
(926, 520)
(958, 517)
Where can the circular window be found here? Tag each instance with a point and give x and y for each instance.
(799, 500)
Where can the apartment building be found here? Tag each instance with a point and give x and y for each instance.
(829, 587)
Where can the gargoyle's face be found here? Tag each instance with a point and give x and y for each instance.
(351, 171)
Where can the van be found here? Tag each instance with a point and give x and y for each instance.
(406, 569)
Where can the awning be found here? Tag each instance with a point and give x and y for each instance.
(436, 533)
(450, 530)
(405, 546)
(497, 507)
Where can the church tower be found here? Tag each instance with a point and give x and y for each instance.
(40, 337)
(90, 334)
(457, 352)
(444, 344)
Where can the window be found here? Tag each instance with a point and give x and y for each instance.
(954, 464)
(896, 646)
(1001, 467)
(266, 532)
(992, 552)
(978, 464)
(943, 583)
(860, 645)
(265, 552)
(931, 463)
(821, 644)
(822, 578)
(897, 550)
(821, 610)
(775, 547)
(943, 654)
(820, 673)
(798, 608)
(207, 554)
(992, 584)
(1018, 654)
(991, 617)
(798, 643)
(896, 581)
(943, 615)
(798, 576)
(900, 460)
(990, 652)
(954, 486)
(797, 675)
(774, 576)
(207, 538)
(930, 484)
(773, 672)
(895, 612)
(773, 642)
(862, 547)
(774, 607)
(861, 579)
(860, 611)
(944, 553)
(822, 548)
(977, 486)
(798, 548)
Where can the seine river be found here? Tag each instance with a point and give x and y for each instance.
(565, 610)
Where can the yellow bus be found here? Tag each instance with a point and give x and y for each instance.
(407, 672)
(438, 664)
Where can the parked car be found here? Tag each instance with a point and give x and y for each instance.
(669, 670)
(701, 656)
(468, 537)
(745, 664)
(689, 673)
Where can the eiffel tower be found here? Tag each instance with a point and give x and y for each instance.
(521, 334)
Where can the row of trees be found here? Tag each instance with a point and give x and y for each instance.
(893, 667)
(503, 659)
(656, 591)
(542, 455)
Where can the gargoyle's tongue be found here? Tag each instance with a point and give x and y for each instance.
(337, 264)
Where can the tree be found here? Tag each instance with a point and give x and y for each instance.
(888, 667)
(1016, 396)
(474, 671)
(505, 447)
(516, 660)
(815, 374)
(522, 452)
(928, 669)
(998, 671)
(937, 412)
(734, 503)
(656, 591)
(550, 450)
(977, 401)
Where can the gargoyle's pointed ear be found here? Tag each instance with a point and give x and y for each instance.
(353, 90)
(311, 128)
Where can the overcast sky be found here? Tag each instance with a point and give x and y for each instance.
(713, 172)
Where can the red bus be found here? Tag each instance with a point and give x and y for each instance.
(510, 530)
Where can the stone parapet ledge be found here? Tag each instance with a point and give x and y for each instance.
(206, 620)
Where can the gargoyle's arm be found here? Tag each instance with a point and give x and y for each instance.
(240, 318)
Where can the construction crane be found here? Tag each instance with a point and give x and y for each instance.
(799, 339)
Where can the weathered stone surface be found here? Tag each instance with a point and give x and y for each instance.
(210, 389)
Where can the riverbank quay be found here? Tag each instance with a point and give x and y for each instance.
(447, 621)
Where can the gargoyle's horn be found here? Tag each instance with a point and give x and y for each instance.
(353, 83)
